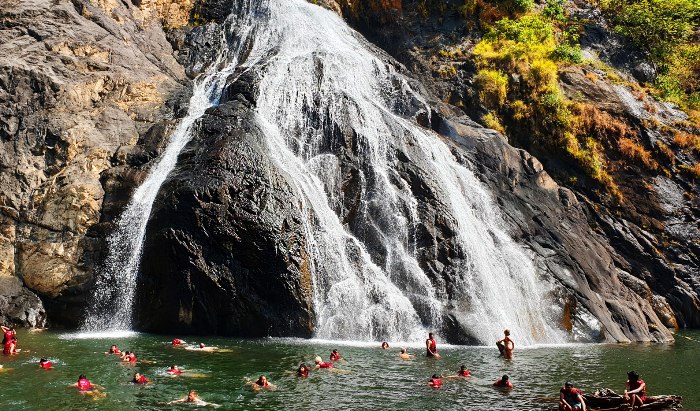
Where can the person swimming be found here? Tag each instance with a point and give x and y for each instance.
(405, 355)
(321, 364)
(192, 398)
(385, 345)
(177, 342)
(262, 383)
(174, 370)
(303, 371)
(503, 383)
(129, 356)
(140, 379)
(335, 356)
(463, 372)
(113, 349)
(435, 381)
(45, 364)
(83, 383)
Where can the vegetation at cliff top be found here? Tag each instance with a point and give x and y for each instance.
(669, 30)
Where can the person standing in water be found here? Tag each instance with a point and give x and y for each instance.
(9, 340)
(431, 347)
(635, 390)
(506, 345)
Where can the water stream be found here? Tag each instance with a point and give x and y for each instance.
(321, 82)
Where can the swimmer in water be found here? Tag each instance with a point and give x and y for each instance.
(192, 398)
(463, 372)
(140, 379)
(129, 356)
(202, 347)
(335, 356)
(113, 349)
(405, 355)
(321, 364)
(385, 345)
(435, 381)
(503, 383)
(177, 342)
(303, 371)
(45, 364)
(174, 370)
(262, 383)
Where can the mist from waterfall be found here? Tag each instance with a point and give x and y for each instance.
(111, 303)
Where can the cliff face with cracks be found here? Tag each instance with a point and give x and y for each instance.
(87, 89)
(225, 251)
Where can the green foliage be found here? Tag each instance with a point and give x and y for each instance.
(492, 86)
(667, 30)
(568, 53)
(554, 9)
(531, 29)
(655, 25)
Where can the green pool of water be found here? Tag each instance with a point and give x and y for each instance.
(375, 378)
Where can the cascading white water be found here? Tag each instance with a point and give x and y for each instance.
(317, 75)
(320, 68)
(113, 295)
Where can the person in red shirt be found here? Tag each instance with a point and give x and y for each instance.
(335, 356)
(45, 364)
(83, 383)
(114, 350)
(435, 381)
(503, 383)
(463, 372)
(9, 340)
(431, 347)
(321, 364)
(177, 342)
(303, 371)
(262, 383)
(140, 379)
(174, 370)
(635, 390)
(570, 398)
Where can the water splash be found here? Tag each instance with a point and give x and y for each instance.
(111, 305)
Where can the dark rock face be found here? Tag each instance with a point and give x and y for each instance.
(224, 252)
(81, 84)
(20, 306)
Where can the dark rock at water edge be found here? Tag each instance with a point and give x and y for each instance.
(224, 253)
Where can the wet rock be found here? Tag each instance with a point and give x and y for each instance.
(19, 306)
(225, 252)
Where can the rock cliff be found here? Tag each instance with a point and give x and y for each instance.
(90, 90)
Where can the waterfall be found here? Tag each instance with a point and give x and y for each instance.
(322, 79)
(321, 84)
(112, 299)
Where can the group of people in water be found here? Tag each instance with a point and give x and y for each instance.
(570, 398)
